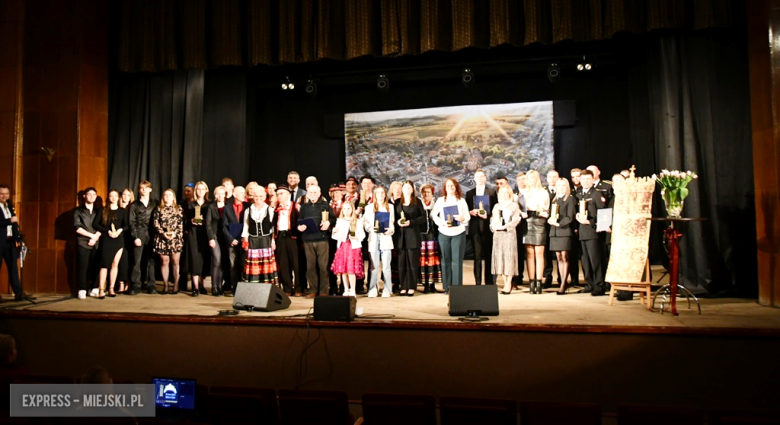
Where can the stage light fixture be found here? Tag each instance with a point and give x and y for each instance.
(287, 84)
(584, 65)
(553, 72)
(467, 78)
(311, 88)
(383, 83)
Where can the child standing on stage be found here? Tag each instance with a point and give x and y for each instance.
(348, 262)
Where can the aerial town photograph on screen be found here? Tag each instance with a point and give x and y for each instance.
(434, 144)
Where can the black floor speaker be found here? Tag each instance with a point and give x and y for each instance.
(340, 309)
(260, 297)
(473, 300)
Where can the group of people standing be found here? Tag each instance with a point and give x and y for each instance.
(312, 245)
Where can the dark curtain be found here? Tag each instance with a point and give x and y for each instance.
(156, 129)
(167, 35)
(700, 113)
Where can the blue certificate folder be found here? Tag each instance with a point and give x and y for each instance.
(485, 203)
(311, 225)
(235, 229)
(384, 220)
(451, 211)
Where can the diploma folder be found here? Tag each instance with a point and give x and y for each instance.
(451, 211)
(384, 220)
(311, 225)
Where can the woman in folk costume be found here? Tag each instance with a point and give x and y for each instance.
(258, 239)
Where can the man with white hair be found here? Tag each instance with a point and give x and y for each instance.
(232, 228)
(315, 239)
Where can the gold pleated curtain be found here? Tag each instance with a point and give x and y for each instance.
(160, 35)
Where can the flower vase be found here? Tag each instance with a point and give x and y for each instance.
(673, 203)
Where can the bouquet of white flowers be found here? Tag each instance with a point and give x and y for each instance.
(674, 189)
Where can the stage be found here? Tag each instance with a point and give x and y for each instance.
(544, 347)
(520, 310)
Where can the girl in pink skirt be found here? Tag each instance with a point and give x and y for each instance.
(348, 262)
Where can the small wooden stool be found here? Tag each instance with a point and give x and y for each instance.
(644, 287)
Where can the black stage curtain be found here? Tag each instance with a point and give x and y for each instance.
(155, 129)
(700, 112)
(157, 36)
(664, 101)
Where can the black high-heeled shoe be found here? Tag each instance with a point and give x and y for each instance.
(536, 287)
(562, 291)
(195, 292)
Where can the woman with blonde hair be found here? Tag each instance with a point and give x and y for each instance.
(537, 204)
(561, 231)
(504, 220)
(168, 220)
(197, 239)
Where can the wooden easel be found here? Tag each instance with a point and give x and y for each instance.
(644, 287)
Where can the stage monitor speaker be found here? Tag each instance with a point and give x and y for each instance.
(564, 113)
(339, 309)
(476, 300)
(260, 297)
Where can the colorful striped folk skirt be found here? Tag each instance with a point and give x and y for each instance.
(430, 262)
(260, 264)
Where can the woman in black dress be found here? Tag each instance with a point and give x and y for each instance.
(561, 232)
(126, 198)
(410, 218)
(537, 206)
(111, 222)
(197, 239)
(214, 233)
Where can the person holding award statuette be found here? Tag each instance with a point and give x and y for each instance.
(537, 203)
(451, 215)
(562, 211)
(410, 218)
(378, 220)
(314, 222)
(168, 220)
(590, 201)
(504, 220)
(348, 261)
(197, 239)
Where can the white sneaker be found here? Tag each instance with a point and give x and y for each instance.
(372, 293)
(82, 294)
(346, 293)
(387, 294)
(352, 293)
(94, 292)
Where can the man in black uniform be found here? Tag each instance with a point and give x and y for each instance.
(141, 231)
(606, 194)
(479, 229)
(574, 260)
(592, 248)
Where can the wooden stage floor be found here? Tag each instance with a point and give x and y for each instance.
(518, 311)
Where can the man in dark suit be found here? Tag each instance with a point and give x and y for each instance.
(296, 192)
(142, 232)
(479, 228)
(592, 248)
(232, 226)
(549, 256)
(11, 237)
(286, 235)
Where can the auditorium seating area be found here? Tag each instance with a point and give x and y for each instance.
(240, 405)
